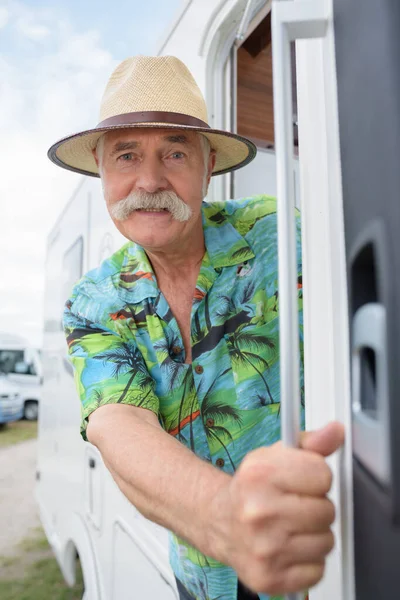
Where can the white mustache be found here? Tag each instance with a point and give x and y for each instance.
(144, 200)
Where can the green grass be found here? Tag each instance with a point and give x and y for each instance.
(33, 574)
(18, 431)
(41, 580)
(8, 561)
(37, 543)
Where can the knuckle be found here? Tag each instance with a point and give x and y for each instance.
(274, 585)
(256, 466)
(330, 543)
(326, 478)
(321, 471)
(267, 581)
(269, 552)
(316, 573)
(330, 511)
(303, 576)
(253, 513)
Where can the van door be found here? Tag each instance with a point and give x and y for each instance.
(368, 75)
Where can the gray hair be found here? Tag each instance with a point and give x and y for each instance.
(100, 148)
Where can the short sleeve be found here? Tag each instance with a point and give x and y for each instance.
(107, 369)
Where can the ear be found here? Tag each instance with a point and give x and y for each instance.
(95, 156)
(211, 164)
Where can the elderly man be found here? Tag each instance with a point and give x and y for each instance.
(174, 342)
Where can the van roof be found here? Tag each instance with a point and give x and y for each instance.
(10, 341)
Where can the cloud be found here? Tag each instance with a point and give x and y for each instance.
(40, 102)
(4, 16)
(32, 30)
(53, 73)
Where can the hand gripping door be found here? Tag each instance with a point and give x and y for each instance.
(304, 19)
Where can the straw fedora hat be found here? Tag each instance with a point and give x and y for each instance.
(153, 92)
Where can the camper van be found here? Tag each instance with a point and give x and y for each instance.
(295, 77)
(22, 366)
(11, 402)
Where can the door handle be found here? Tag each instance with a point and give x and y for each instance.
(370, 401)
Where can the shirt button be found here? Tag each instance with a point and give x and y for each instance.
(210, 423)
(176, 350)
(220, 462)
(199, 369)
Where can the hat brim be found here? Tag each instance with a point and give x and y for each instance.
(74, 152)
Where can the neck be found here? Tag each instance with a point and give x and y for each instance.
(171, 263)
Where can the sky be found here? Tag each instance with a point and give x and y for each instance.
(55, 60)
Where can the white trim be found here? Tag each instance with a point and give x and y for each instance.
(210, 21)
(216, 45)
(174, 25)
(326, 333)
(257, 18)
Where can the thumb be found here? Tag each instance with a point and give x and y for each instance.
(323, 441)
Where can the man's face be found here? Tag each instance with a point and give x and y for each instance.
(143, 162)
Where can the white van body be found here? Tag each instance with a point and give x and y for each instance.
(124, 556)
(11, 402)
(23, 366)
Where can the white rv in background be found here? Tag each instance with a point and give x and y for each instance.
(227, 47)
(22, 365)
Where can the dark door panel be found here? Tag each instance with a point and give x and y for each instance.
(368, 68)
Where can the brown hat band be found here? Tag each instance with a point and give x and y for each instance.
(152, 116)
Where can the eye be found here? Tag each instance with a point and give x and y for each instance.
(177, 155)
(126, 157)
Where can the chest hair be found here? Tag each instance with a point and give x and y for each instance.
(180, 300)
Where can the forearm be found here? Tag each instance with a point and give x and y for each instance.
(166, 482)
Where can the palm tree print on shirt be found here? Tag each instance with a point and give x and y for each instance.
(129, 360)
(246, 347)
(215, 417)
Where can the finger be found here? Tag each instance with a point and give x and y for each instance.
(301, 472)
(296, 550)
(296, 578)
(308, 515)
(287, 469)
(308, 548)
(324, 441)
(290, 515)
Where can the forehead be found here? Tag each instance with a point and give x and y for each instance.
(143, 136)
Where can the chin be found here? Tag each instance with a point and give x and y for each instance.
(150, 239)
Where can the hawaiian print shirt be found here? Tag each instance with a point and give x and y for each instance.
(126, 347)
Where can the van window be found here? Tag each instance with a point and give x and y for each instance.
(12, 361)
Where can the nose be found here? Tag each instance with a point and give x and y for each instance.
(150, 175)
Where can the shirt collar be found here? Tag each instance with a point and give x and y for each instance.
(137, 280)
(225, 247)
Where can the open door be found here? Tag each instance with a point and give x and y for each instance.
(368, 75)
(254, 112)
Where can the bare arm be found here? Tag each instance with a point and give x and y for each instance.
(164, 480)
(270, 521)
